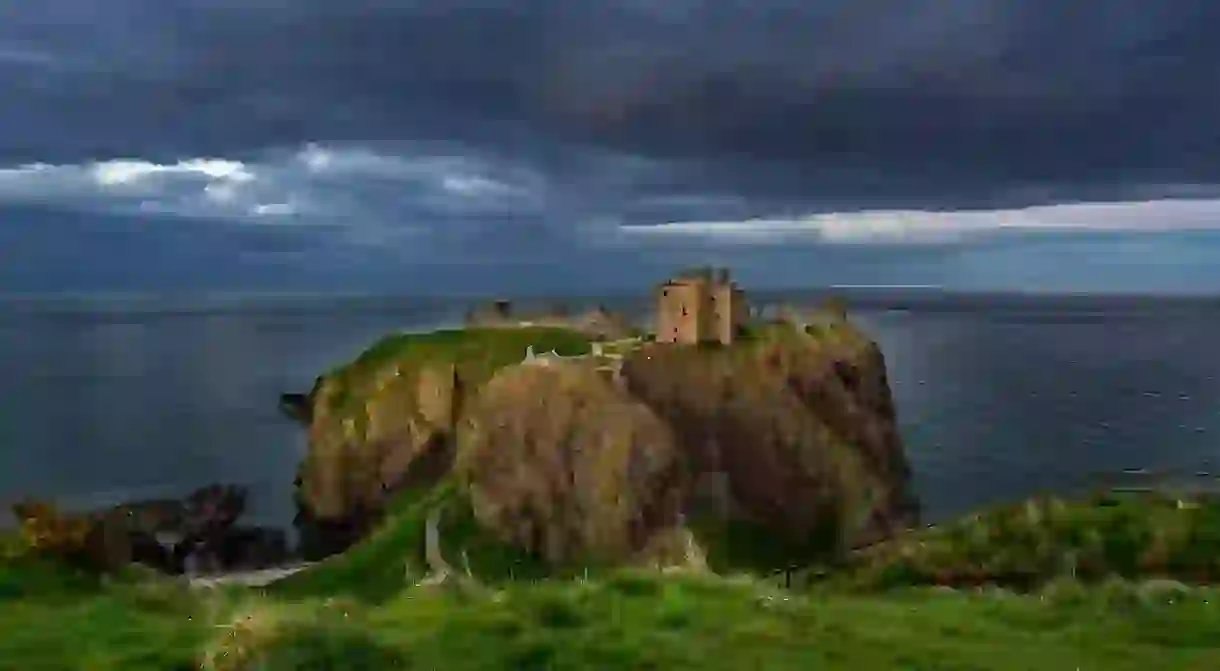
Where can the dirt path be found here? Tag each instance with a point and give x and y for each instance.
(259, 578)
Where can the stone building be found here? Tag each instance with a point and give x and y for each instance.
(701, 306)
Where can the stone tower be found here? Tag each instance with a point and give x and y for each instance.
(700, 306)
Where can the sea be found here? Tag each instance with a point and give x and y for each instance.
(1000, 396)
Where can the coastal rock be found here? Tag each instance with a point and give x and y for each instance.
(160, 533)
(792, 431)
(799, 433)
(207, 510)
(387, 421)
(354, 461)
(299, 407)
(213, 508)
(566, 465)
(296, 407)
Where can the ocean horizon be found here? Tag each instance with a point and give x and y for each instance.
(109, 398)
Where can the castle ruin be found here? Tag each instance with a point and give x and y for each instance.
(700, 306)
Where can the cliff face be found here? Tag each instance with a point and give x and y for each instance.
(794, 432)
(386, 420)
(791, 433)
(563, 463)
(362, 449)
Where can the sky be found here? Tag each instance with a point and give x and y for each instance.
(586, 145)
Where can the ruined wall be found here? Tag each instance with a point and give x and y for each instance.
(740, 310)
(728, 312)
(721, 311)
(680, 318)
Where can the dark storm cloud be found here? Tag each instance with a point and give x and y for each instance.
(872, 100)
(381, 141)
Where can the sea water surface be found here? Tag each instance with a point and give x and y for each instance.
(104, 399)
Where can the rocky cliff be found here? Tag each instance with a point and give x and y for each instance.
(785, 442)
(387, 421)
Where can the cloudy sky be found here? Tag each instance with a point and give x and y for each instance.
(462, 145)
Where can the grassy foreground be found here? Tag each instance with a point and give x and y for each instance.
(626, 620)
(365, 610)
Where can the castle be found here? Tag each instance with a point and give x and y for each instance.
(700, 306)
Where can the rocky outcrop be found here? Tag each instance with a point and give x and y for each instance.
(791, 431)
(795, 433)
(388, 421)
(406, 421)
(299, 407)
(566, 465)
(166, 533)
(296, 406)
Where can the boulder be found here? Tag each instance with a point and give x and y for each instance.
(159, 532)
(212, 509)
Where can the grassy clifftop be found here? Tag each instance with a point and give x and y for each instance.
(377, 416)
(478, 352)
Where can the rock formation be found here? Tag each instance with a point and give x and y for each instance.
(163, 533)
(384, 423)
(799, 433)
(791, 432)
(566, 465)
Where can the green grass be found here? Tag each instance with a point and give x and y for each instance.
(30, 577)
(55, 617)
(392, 558)
(1132, 536)
(479, 352)
(508, 342)
(626, 620)
(639, 621)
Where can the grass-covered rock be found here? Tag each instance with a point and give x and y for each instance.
(386, 420)
(1027, 544)
(787, 437)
